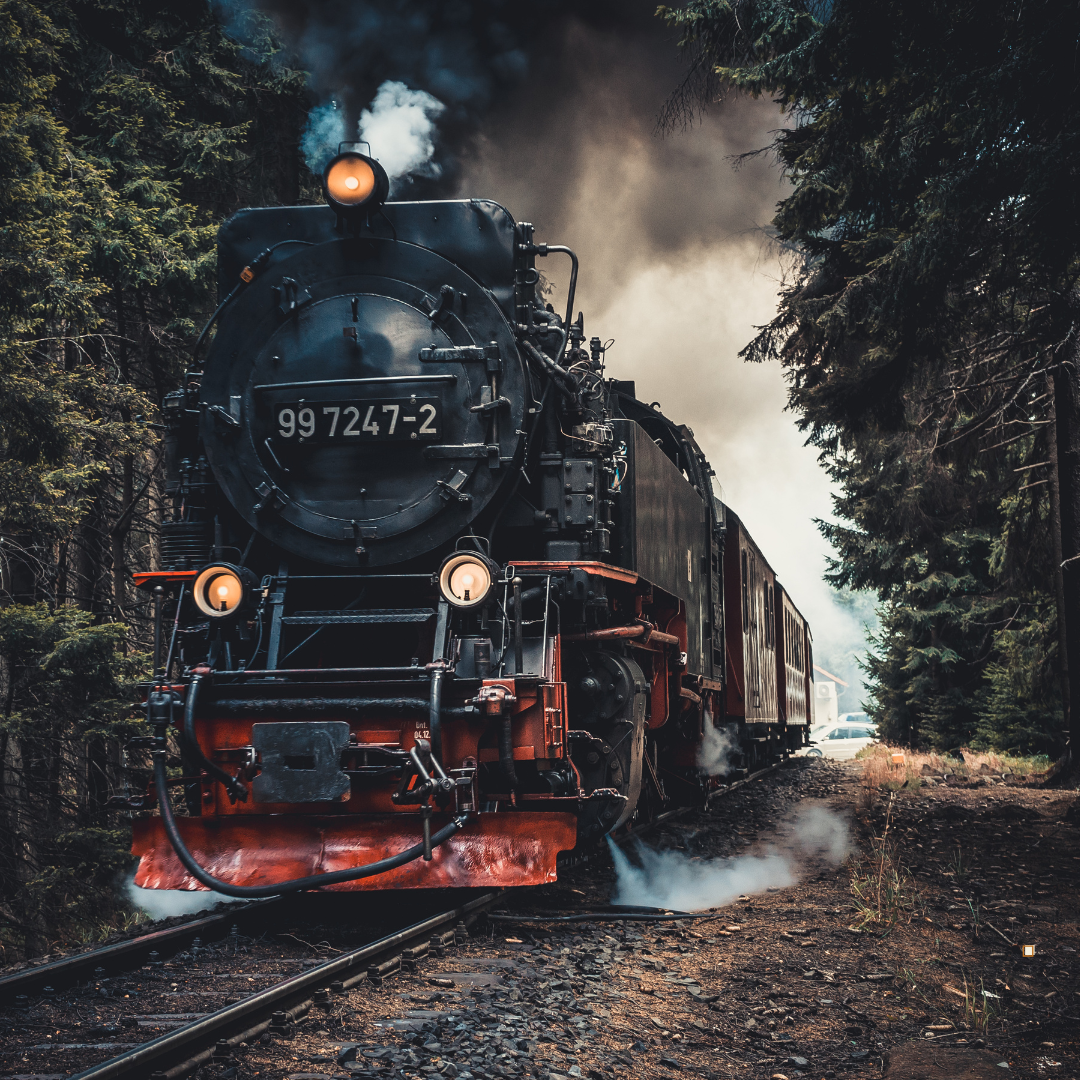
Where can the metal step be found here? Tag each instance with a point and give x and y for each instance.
(372, 616)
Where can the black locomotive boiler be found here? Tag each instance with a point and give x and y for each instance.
(438, 600)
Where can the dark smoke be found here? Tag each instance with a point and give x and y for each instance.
(470, 55)
(530, 101)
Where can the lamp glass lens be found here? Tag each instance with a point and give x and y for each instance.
(466, 581)
(218, 591)
(350, 181)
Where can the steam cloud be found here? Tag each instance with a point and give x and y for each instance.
(717, 746)
(674, 880)
(400, 126)
(324, 132)
(165, 903)
(668, 879)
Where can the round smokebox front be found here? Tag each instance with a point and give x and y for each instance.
(337, 413)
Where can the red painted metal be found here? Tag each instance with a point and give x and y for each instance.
(611, 633)
(505, 849)
(161, 577)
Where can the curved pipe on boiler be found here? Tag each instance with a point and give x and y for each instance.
(548, 248)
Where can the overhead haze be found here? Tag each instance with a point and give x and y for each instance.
(554, 116)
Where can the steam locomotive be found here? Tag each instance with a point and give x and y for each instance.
(438, 599)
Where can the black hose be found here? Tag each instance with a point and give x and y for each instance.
(564, 381)
(251, 270)
(554, 324)
(194, 750)
(314, 881)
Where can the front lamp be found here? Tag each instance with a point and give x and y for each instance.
(466, 579)
(354, 183)
(220, 590)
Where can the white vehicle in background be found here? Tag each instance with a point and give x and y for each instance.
(852, 719)
(841, 739)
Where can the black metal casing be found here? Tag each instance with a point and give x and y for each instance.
(429, 331)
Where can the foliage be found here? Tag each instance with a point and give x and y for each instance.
(127, 133)
(67, 704)
(931, 152)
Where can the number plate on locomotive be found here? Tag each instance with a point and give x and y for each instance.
(385, 420)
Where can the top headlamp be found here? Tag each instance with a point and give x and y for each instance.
(354, 183)
(466, 579)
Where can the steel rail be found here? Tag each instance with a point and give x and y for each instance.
(125, 955)
(180, 1052)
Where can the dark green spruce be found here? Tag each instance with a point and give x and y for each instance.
(929, 331)
(127, 133)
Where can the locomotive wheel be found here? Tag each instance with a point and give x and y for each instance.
(607, 700)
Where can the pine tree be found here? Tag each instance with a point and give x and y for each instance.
(127, 133)
(931, 155)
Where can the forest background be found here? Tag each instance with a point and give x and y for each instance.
(129, 131)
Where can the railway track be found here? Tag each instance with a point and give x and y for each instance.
(125, 955)
(275, 1009)
(217, 1035)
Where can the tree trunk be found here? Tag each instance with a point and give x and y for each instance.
(1059, 573)
(1067, 408)
(119, 537)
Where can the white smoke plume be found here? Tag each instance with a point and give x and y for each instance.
(324, 132)
(818, 833)
(400, 127)
(165, 903)
(717, 746)
(675, 880)
(669, 879)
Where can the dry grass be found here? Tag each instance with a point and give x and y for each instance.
(881, 774)
(882, 890)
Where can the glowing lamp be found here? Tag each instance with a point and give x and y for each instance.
(466, 579)
(354, 183)
(220, 590)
